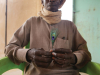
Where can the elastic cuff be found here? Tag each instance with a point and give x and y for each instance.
(27, 56)
(79, 57)
(75, 59)
(21, 54)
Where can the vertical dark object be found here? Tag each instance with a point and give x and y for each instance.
(74, 11)
(6, 25)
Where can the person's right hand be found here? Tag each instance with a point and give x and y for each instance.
(40, 57)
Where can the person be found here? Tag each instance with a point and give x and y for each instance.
(68, 54)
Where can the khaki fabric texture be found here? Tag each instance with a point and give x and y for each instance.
(37, 31)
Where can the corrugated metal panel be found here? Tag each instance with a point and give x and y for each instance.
(87, 20)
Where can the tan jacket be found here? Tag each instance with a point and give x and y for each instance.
(37, 31)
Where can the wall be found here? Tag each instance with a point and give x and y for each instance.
(2, 27)
(67, 8)
(87, 20)
(18, 12)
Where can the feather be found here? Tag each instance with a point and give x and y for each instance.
(53, 35)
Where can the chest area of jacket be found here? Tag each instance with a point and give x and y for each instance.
(40, 37)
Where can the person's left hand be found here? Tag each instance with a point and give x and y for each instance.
(63, 57)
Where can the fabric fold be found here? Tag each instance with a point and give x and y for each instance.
(79, 57)
(50, 17)
(21, 54)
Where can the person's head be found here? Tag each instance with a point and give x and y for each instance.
(52, 5)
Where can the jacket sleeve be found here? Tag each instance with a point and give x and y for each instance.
(14, 50)
(80, 49)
